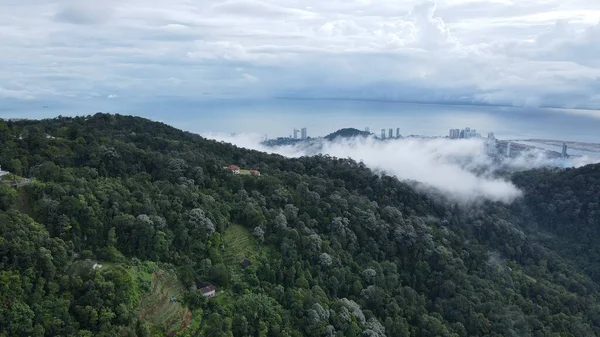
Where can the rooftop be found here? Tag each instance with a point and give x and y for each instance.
(207, 289)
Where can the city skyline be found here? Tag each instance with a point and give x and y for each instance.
(388, 133)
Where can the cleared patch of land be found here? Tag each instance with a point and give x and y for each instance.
(239, 243)
(161, 306)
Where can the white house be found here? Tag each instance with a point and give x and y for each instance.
(208, 291)
(2, 173)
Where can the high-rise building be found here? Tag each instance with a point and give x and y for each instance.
(296, 133)
(465, 133)
(397, 132)
(391, 133)
(303, 133)
(508, 149)
(490, 144)
(454, 133)
(382, 133)
(564, 150)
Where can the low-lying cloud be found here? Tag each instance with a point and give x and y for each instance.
(460, 170)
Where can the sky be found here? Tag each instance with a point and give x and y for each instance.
(112, 53)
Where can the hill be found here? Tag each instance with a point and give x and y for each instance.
(335, 249)
(347, 133)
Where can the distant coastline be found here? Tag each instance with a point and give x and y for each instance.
(438, 103)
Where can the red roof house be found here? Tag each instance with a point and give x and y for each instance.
(233, 168)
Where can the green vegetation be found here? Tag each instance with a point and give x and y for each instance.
(238, 244)
(336, 249)
(161, 306)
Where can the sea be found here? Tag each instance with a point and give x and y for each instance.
(279, 117)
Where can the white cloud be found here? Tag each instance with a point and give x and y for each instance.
(539, 52)
(458, 169)
(85, 12)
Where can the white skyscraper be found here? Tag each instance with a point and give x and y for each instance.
(391, 133)
(382, 133)
(397, 132)
(303, 133)
(490, 144)
(296, 133)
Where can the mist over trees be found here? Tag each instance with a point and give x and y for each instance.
(339, 250)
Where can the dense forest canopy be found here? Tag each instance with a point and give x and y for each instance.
(121, 207)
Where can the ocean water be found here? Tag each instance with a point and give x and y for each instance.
(278, 117)
(556, 148)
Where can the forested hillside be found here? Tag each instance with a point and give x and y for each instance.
(333, 248)
(567, 204)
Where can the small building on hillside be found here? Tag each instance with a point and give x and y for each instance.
(254, 172)
(3, 173)
(206, 289)
(233, 168)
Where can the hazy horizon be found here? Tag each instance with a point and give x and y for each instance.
(278, 118)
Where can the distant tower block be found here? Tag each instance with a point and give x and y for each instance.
(382, 133)
(391, 133)
(397, 132)
(508, 149)
(296, 133)
(564, 150)
(304, 133)
(490, 144)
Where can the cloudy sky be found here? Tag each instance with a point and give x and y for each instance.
(524, 53)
